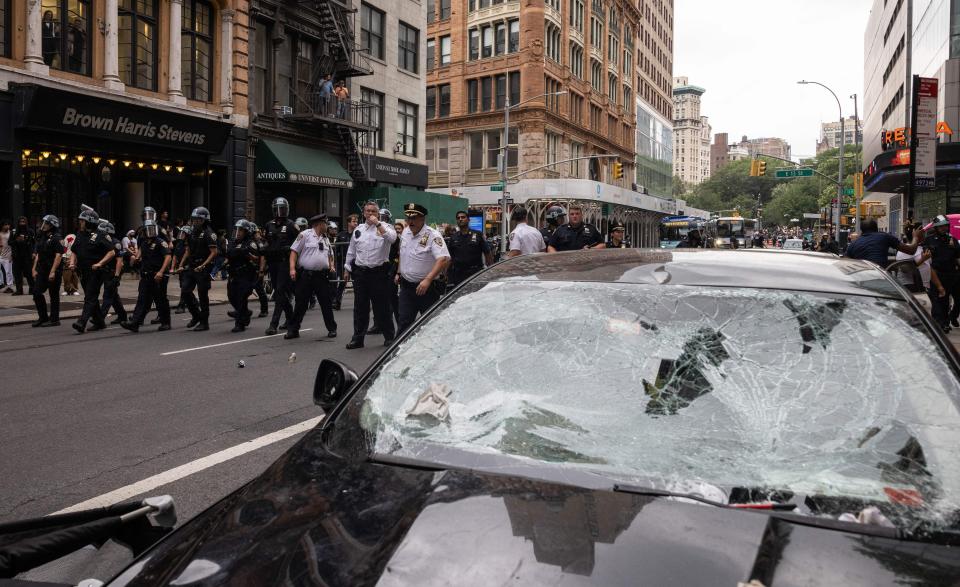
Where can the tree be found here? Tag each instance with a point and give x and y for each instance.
(791, 200)
(680, 187)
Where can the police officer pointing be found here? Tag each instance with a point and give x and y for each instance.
(575, 235)
(468, 251)
(311, 258)
(154, 256)
(423, 257)
(280, 234)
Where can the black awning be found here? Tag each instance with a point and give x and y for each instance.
(888, 171)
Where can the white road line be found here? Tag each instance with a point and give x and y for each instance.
(177, 473)
(8, 340)
(210, 346)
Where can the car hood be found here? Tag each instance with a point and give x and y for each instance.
(316, 519)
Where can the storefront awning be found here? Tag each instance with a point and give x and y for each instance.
(279, 162)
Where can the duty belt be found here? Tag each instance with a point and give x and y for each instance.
(361, 268)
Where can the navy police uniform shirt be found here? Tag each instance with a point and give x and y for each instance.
(152, 253)
(624, 244)
(90, 247)
(280, 235)
(242, 255)
(47, 248)
(200, 243)
(568, 238)
(944, 252)
(467, 249)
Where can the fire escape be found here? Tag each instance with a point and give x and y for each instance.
(354, 121)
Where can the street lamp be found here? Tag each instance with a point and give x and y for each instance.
(840, 157)
(504, 157)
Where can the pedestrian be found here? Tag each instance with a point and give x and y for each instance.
(873, 245)
(555, 217)
(6, 258)
(616, 239)
(368, 261)
(22, 242)
(423, 259)
(129, 244)
(525, 239)
(244, 262)
(921, 259)
(326, 90)
(280, 234)
(111, 283)
(153, 257)
(343, 99)
(200, 252)
(468, 251)
(93, 252)
(71, 283)
(48, 272)
(340, 255)
(311, 258)
(944, 269)
(692, 240)
(575, 234)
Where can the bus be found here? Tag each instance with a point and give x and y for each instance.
(674, 229)
(720, 232)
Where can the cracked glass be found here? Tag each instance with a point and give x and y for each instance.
(841, 397)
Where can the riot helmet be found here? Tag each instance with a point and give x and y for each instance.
(385, 215)
(149, 213)
(200, 216)
(150, 228)
(105, 226)
(50, 223)
(301, 224)
(554, 214)
(186, 230)
(89, 217)
(280, 207)
(242, 229)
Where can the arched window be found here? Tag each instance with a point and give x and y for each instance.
(196, 53)
(65, 34)
(138, 43)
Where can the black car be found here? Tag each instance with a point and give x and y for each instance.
(621, 417)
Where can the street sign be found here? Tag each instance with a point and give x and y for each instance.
(497, 187)
(785, 173)
(811, 215)
(848, 191)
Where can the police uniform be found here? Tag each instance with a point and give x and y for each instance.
(368, 261)
(314, 258)
(526, 239)
(48, 246)
(418, 254)
(22, 242)
(280, 234)
(179, 248)
(341, 244)
(624, 243)
(568, 238)
(467, 250)
(243, 264)
(153, 252)
(198, 278)
(111, 285)
(944, 254)
(89, 248)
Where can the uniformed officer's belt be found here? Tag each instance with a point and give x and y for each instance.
(361, 268)
(312, 271)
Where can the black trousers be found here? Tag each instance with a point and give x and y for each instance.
(371, 287)
(941, 306)
(282, 290)
(111, 298)
(309, 284)
(91, 281)
(149, 292)
(262, 296)
(182, 303)
(42, 285)
(22, 268)
(459, 273)
(412, 305)
(239, 289)
(954, 293)
(199, 306)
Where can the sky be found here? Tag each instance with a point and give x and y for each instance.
(749, 55)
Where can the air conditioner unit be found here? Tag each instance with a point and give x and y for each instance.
(286, 110)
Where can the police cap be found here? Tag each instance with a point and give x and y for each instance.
(614, 226)
(413, 209)
(318, 218)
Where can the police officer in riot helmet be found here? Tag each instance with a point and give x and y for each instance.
(555, 217)
(48, 272)
(200, 252)
(575, 234)
(179, 248)
(280, 234)
(154, 258)
(111, 284)
(243, 260)
(301, 224)
(92, 253)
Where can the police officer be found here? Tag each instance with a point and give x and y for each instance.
(944, 269)
(48, 272)
(525, 239)
(243, 262)
(368, 261)
(302, 224)
(111, 284)
(179, 249)
(22, 242)
(154, 257)
(392, 289)
(468, 251)
(200, 252)
(258, 287)
(693, 240)
(423, 258)
(92, 253)
(615, 240)
(280, 234)
(575, 235)
(555, 217)
(311, 258)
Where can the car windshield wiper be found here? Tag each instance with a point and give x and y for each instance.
(768, 506)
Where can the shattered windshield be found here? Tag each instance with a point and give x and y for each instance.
(841, 397)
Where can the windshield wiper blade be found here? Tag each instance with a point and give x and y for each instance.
(664, 493)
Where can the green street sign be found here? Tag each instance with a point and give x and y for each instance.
(848, 191)
(786, 173)
(497, 187)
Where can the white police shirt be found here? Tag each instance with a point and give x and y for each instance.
(313, 252)
(419, 252)
(369, 249)
(526, 239)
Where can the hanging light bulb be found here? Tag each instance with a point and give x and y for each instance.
(209, 172)
(45, 154)
(140, 164)
(96, 160)
(112, 161)
(80, 158)
(167, 168)
(179, 168)
(126, 163)
(63, 156)
(26, 152)
(154, 166)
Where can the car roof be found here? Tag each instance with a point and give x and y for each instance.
(749, 268)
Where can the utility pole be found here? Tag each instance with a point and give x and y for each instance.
(858, 196)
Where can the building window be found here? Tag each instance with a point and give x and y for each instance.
(501, 90)
(627, 97)
(552, 100)
(371, 30)
(260, 82)
(514, 45)
(576, 150)
(576, 15)
(552, 41)
(613, 50)
(596, 75)
(553, 148)
(444, 101)
(474, 44)
(438, 101)
(576, 108)
(303, 59)
(596, 118)
(4, 28)
(431, 50)
(473, 96)
(437, 154)
(500, 38)
(486, 93)
(407, 128)
(372, 115)
(514, 87)
(487, 41)
(596, 32)
(64, 31)
(431, 102)
(613, 90)
(555, 4)
(485, 146)
(137, 31)
(444, 9)
(576, 60)
(445, 50)
(196, 40)
(408, 42)
(431, 11)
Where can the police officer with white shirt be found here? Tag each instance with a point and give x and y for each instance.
(423, 257)
(368, 259)
(525, 239)
(311, 258)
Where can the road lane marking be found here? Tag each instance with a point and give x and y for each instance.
(185, 470)
(210, 346)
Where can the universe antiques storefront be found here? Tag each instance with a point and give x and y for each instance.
(63, 149)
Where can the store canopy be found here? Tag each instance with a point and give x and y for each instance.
(279, 162)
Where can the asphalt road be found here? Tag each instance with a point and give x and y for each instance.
(84, 415)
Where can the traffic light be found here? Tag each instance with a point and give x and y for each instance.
(754, 168)
(761, 167)
(617, 170)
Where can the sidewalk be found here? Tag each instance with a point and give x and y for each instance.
(20, 309)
